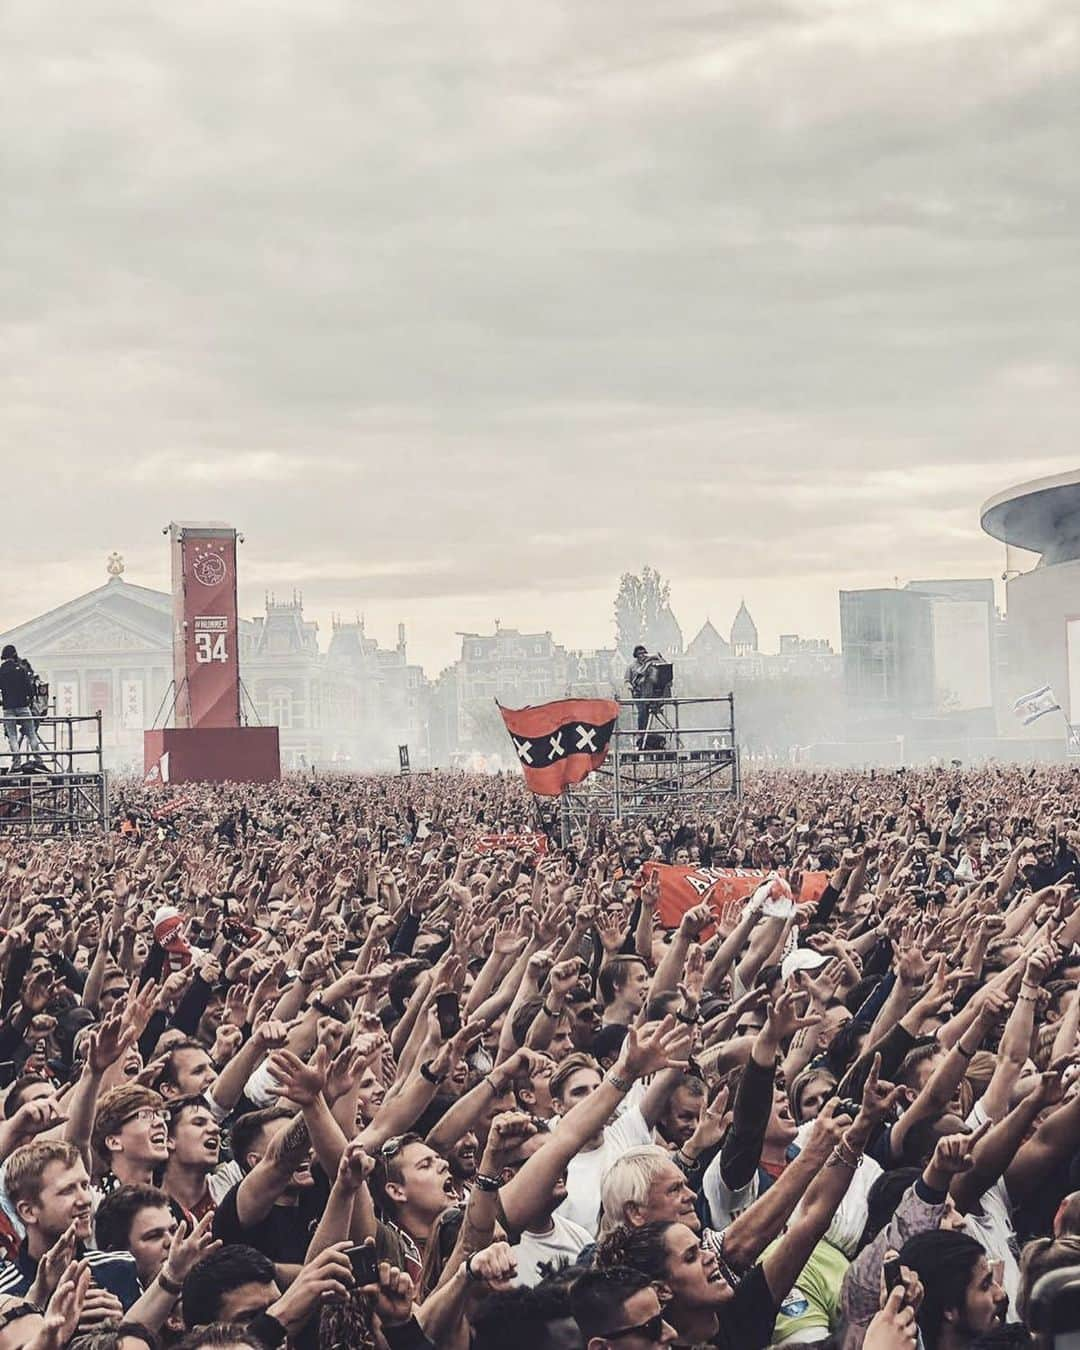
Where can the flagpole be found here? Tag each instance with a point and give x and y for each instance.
(564, 817)
(1068, 731)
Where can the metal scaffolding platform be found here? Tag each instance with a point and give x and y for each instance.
(61, 790)
(687, 761)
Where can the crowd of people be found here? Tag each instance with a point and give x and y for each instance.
(361, 1062)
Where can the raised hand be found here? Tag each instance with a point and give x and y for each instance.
(879, 1097)
(188, 1245)
(495, 1265)
(710, 1127)
(1040, 963)
(695, 920)
(789, 1013)
(509, 1130)
(565, 976)
(34, 1118)
(693, 979)
(65, 1308)
(649, 1049)
(827, 1130)
(354, 1167)
(952, 1154)
(299, 1082)
(52, 1266)
(611, 932)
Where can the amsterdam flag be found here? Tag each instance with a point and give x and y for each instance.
(561, 743)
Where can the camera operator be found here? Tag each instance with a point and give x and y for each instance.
(636, 678)
(17, 685)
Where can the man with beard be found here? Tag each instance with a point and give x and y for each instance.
(961, 1297)
(277, 1204)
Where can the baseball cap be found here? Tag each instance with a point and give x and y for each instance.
(802, 958)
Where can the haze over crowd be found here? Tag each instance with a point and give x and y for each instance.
(461, 313)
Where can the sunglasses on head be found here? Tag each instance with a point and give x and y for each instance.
(651, 1330)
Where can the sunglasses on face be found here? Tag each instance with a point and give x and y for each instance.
(651, 1330)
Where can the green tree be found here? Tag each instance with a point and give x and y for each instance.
(639, 607)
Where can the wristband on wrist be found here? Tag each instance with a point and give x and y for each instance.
(967, 1054)
(469, 1270)
(434, 1079)
(170, 1286)
(548, 1012)
(485, 1183)
(497, 1088)
(688, 1019)
(622, 1084)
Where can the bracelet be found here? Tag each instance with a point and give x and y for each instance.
(622, 1084)
(967, 1054)
(497, 1088)
(433, 1079)
(548, 1013)
(847, 1153)
(838, 1157)
(686, 1020)
(468, 1268)
(1027, 998)
(326, 1010)
(483, 1183)
(681, 1160)
(170, 1286)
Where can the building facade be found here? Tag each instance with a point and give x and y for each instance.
(111, 651)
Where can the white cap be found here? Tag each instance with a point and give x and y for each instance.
(802, 958)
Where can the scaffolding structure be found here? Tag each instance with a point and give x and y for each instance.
(685, 761)
(61, 790)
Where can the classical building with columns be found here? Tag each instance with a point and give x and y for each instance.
(110, 650)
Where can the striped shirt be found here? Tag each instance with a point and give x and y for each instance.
(114, 1271)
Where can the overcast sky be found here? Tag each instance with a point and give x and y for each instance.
(460, 310)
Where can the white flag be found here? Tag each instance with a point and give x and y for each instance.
(1035, 705)
(159, 772)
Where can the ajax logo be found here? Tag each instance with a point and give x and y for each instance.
(208, 567)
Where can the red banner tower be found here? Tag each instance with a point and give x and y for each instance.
(206, 664)
(207, 742)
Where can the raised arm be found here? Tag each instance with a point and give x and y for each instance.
(645, 1050)
(782, 1266)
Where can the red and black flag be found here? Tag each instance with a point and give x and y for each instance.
(561, 743)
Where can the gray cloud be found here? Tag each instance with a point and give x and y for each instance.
(461, 311)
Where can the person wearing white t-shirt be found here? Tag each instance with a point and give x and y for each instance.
(531, 1200)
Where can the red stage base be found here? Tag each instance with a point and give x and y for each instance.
(214, 754)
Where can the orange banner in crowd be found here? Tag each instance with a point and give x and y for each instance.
(683, 887)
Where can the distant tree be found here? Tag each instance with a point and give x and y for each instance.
(639, 606)
(486, 730)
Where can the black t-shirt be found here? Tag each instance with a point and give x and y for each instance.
(286, 1231)
(747, 1321)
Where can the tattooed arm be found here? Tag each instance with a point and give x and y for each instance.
(270, 1176)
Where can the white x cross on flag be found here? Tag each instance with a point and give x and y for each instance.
(523, 748)
(555, 745)
(586, 739)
